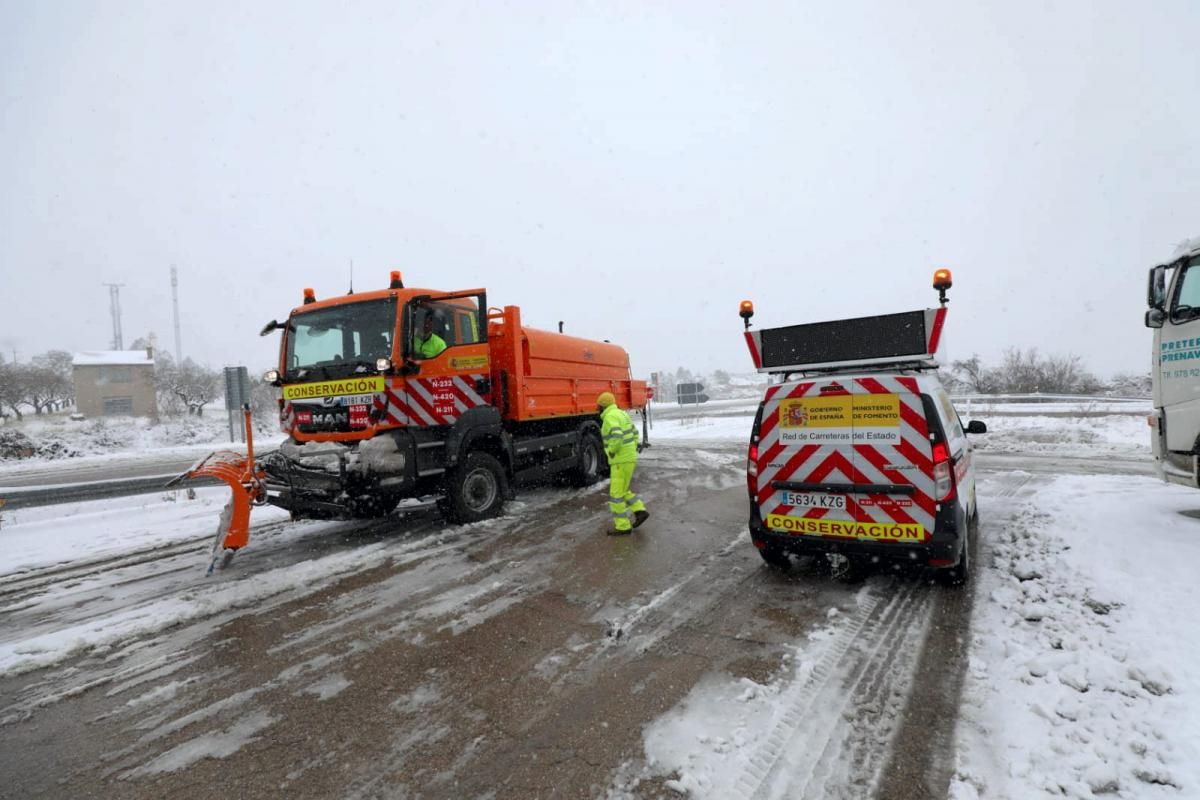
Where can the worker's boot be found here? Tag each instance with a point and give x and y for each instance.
(639, 517)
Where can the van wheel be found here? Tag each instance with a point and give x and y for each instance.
(591, 461)
(475, 489)
(960, 573)
(776, 558)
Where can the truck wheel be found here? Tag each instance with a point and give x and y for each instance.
(591, 461)
(475, 489)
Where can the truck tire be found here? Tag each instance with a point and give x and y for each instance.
(475, 489)
(591, 461)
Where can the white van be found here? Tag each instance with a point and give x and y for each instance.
(856, 448)
(1174, 314)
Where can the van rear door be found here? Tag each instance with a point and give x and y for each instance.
(893, 454)
(846, 458)
(805, 451)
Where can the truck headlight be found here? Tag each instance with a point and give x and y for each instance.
(383, 364)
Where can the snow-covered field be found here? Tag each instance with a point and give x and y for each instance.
(1084, 659)
(64, 438)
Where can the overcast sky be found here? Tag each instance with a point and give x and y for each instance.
(633, 169)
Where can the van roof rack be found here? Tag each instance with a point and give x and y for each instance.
(865, 369)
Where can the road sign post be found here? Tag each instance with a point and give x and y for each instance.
(237, 394)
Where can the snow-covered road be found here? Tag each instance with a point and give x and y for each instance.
(532, 656)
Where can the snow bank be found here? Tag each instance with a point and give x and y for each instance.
(42, 536)
(58, 436)
(1080, 436)
(1084, 674)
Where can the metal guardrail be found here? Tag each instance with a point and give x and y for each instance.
(1046, 398)
(66, 493)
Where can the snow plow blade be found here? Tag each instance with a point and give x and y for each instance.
(246, 482)
(236, 471)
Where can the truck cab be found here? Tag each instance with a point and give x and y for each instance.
(1173, 295)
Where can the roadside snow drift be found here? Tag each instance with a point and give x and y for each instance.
(1084, 675)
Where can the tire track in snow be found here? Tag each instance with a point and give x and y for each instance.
(853, 667)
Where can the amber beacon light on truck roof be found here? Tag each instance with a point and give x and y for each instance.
(909, 338)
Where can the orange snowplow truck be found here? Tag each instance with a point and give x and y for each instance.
(406, 393)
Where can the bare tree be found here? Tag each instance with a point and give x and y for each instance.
(195, 386)
(12, 387)
(1027, 371)
(166, 376)
(1130, 385)
(264, 404)
(56, 378)
(974, 376)
(1060, 374)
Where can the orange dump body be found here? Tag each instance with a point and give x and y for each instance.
(554, 375)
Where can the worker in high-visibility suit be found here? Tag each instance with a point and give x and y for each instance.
(620, 437)
(426, 343)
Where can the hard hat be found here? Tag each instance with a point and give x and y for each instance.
(606, 399)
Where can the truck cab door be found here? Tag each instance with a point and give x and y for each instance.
(444, 386)
(804, 449)
(1178, 358)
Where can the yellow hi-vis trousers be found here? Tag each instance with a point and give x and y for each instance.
(622, 502)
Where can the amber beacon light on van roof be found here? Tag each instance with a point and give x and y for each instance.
(910, 338)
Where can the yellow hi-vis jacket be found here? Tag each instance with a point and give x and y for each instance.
(620, 436)
(428, 348)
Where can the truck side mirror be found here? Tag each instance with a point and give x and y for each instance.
(1155, 317)
(975, 426)
(1156, 290)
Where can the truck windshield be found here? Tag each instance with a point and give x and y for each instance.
(1187, 296)
(339, 341)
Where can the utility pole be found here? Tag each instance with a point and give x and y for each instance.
(175, 303)
(114, 304)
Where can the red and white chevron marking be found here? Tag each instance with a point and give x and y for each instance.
(429, 401)
(909, 462)
(420, 402)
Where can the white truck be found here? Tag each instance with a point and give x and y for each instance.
(1174, 315)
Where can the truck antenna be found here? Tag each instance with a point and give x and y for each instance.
(560, 322)
(351, 277)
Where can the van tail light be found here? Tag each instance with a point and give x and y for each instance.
(752, 469)
(943, 473)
